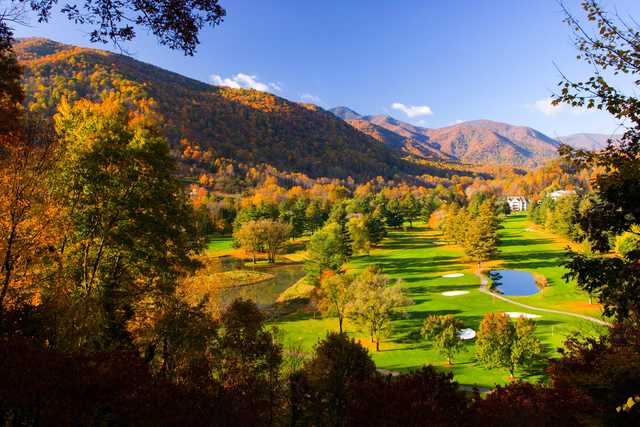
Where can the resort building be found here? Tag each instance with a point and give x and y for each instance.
(518, 203)
(560, 193)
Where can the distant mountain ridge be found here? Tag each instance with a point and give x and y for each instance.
(478, 141)
(587, 141)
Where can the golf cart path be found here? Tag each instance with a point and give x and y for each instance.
(483, 288)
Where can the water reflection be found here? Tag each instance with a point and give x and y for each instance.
(513, 282)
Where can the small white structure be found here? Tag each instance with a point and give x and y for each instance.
(466, 334)
(518, 203)
(560, 193)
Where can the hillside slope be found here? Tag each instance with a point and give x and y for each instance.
(245, 125)
(587, 141)
(484, 141)
(481, 141)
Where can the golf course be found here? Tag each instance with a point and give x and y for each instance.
(420, 258)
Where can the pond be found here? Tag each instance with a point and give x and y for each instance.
(244, 281)
(265, 293)
(514, 283)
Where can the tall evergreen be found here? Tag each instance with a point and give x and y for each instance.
(339, 216)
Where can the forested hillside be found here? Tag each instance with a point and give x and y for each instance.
(245, 125)
(480, 141)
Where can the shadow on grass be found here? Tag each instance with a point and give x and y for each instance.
(506, 241)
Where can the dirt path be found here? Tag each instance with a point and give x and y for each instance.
(484, 289)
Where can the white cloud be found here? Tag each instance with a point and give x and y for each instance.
(412, 110)
(545, 106)
(245, 81)
(308, 97)
(456, 122)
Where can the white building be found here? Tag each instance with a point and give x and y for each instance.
(560, 193)
(518, 203)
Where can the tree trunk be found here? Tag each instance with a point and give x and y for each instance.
(340, 323)
(7, 266)
(378, 344)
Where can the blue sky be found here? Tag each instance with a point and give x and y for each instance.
(428, 62)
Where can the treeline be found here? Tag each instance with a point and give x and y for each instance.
(560, 215)
(308, 209)
(566, 216)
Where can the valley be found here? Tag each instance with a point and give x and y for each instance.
(419, 257)
(286, 222)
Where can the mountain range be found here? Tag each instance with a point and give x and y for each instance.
(478, 141)
(587, 141)
(259, 128)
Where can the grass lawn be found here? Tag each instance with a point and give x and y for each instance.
(217, 244)
(529, 248)
(419, 259)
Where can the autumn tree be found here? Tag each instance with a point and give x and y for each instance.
(375, 227)
(335, 295)
(276, 234)
(375, 299)
(455, 224)
(264, 234)
(436, 400)
(127, 229)
(605, 368)
(337, 362)
(532, 405)
(27, 211)
(393, 214)
(502, 343)
(246, 359)
(474, 228)
(628, 244)
(359, 233)
(251, 237)
(11, 93)
(325, 251)
(444, 332)
(611, 45)
(410, 208)
(480, 240)
(178, 345)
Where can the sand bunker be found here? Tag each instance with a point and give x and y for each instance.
(466, 334)
(454, 293)
(452, 275)
(525, 315)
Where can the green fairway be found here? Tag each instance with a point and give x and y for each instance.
(419, 259)
(524, 247)
(219, 243)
